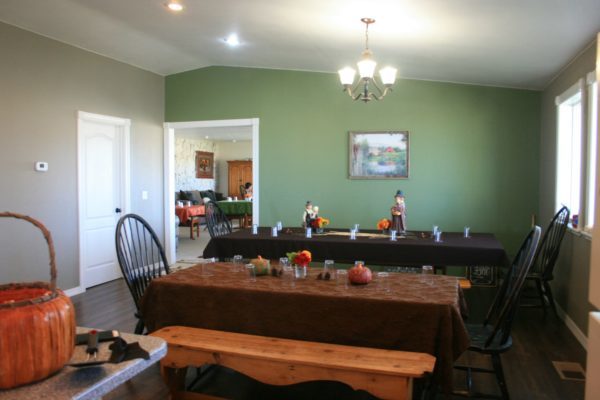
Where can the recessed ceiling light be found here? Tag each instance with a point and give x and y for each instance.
(234, 141)
(174, 5)
(232, 40)
(206, 137)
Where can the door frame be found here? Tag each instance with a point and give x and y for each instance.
(169, 171)
(123, 129)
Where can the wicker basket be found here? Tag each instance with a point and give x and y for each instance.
(37, 324)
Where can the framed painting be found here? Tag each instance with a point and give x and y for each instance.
(205, 165)
(378, 155)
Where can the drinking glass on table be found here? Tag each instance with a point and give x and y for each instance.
(427, 269)
(359, 262)
(238, 261)
(328, 266)
(382, 281)
(341, 277)
(251, 272)
(284, 261)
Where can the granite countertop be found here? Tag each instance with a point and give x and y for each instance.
(91, 382)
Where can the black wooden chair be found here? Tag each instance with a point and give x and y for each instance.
(493, 336)
(141, 257)
(216, 220)
(545, 260)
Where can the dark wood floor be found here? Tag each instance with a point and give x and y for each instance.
(528, 365)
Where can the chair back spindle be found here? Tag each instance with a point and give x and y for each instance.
(216, 220)
(504, 307)
(140, 254)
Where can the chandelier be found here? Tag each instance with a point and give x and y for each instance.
(367, 89)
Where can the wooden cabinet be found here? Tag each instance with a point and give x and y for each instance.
(239, 173)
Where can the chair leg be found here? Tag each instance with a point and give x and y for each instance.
(497, 363)
(139, 327)
(548, 291)
(538, 284)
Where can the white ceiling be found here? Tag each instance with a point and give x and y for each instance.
(514, 43)
(220, 134)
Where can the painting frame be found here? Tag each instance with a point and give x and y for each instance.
(205, 165)
(389, 156)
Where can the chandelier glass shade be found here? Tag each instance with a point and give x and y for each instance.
(367, 88)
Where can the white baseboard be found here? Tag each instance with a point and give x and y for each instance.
(579, 335)
(74, 291)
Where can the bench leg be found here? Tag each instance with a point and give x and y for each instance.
(175, 380)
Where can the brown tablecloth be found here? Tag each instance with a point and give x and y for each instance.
(479, 249)
(184, 213)
(420, 313)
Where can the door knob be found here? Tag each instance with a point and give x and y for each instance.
(118, 210)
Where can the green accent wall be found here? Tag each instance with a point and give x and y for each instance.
(474, 151)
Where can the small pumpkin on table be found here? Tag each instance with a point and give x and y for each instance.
(359, 275)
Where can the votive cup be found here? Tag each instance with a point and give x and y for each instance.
(255, 229)
(467, 232)
(274, 231)
(393, 235)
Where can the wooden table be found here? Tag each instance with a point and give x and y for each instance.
(241, 209)
(91, 382)
(191, 214)
(371, 247)
(408, 312)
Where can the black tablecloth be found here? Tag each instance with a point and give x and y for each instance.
(479, 249)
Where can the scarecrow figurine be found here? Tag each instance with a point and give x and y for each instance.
(309, 215)
(399, 213)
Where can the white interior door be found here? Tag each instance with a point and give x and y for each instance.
(103, 185)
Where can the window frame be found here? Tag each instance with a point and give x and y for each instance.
(583, 87)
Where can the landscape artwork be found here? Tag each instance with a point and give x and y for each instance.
(378, 155)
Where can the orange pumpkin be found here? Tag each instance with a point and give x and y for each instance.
(37, 325)
(359, 275)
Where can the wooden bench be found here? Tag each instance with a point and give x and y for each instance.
(387, 374)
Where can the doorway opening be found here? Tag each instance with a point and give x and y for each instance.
(198, 155)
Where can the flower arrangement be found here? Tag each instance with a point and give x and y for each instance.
(384, 224)
(319, 223)
(300, 258)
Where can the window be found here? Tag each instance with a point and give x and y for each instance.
(577, 133)
(592, 153)
(569, 151)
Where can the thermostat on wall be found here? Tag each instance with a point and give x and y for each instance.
(41, 166)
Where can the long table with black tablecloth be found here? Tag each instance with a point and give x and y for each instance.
(410, 312)
(416, 248)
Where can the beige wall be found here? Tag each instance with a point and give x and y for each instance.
(43, 83)
(573, 267)
(227, 151)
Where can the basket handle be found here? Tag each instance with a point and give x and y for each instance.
(48, 238)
